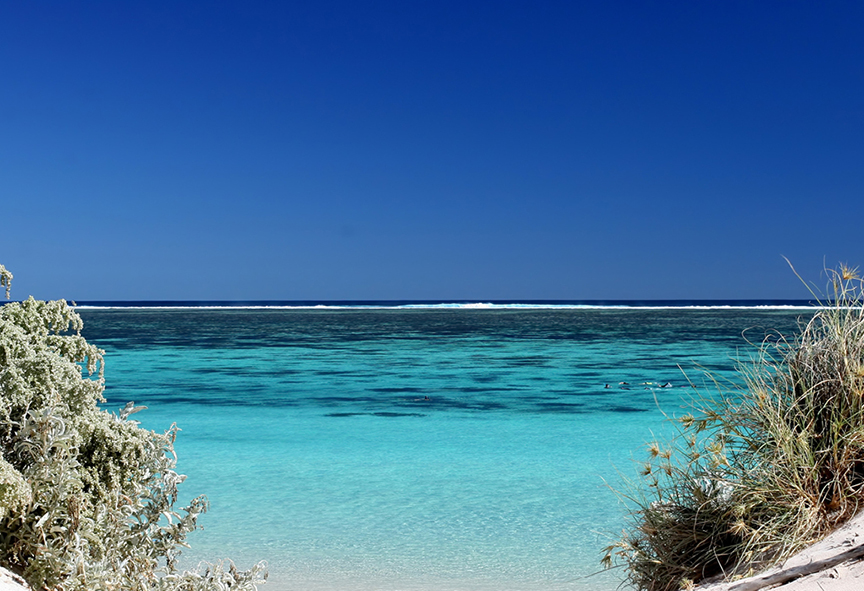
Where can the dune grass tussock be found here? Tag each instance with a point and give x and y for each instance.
(87, 497)
(756, 473)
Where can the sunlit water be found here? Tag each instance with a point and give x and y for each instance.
(358, 450)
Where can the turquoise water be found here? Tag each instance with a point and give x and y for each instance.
(424, 450)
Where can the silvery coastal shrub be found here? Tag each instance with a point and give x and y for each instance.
(86, 496)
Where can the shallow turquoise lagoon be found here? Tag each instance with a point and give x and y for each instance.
(394, 449)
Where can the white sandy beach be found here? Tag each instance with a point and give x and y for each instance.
(834, 564)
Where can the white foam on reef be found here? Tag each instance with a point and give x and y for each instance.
(489, 306)
(457, 306)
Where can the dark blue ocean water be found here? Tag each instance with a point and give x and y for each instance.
(427, 448)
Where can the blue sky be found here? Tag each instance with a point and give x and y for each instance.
(429, 150)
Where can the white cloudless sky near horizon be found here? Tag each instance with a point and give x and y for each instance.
(429, 150)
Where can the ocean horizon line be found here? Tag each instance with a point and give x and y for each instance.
(466, 304)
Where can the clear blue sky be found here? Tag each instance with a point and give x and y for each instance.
(429, 150)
